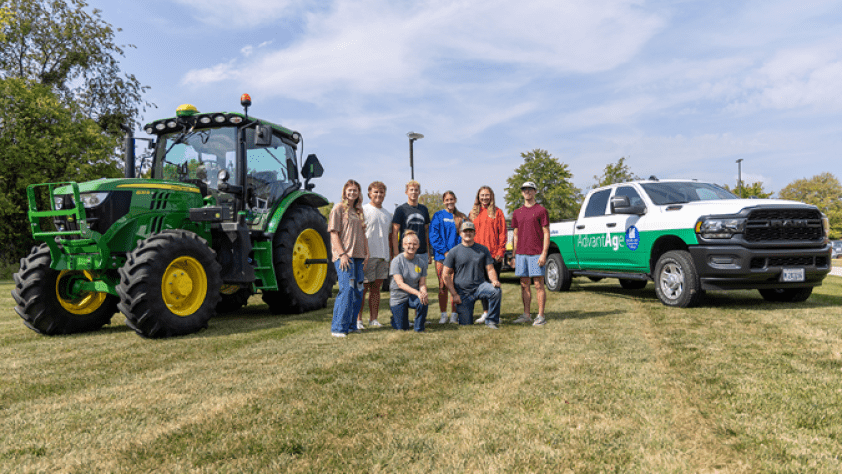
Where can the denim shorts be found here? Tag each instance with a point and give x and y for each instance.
(527, 266)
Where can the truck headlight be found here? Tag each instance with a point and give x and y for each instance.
(720, 228)
(92, 199)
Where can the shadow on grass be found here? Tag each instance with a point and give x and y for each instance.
(735, 299)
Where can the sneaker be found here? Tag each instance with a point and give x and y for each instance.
(443, 319)
(360, 324)
(540, 321)
(454, 318)
(491, 325)
(524, 318)
(337, 334)
(374, 324)
(481, 319)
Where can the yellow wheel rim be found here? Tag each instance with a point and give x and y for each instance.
(309, 245)
(184, 286)
(87, 302)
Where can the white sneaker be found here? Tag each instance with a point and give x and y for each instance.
(481, 319)
(443, 319)
(524, 318)
(360, 324)
(337, 334)
(454, 318)
(540, 321)
(374, 324)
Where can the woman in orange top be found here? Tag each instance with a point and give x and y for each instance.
(490, 226)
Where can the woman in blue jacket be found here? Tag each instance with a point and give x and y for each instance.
(444, 235)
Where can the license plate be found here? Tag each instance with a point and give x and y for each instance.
(792, 274)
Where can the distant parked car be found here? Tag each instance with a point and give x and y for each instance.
(836, 249)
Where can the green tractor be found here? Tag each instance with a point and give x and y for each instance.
(221, 214)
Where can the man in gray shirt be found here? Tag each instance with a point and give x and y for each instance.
(465, 267)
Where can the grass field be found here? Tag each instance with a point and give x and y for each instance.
(615, 382)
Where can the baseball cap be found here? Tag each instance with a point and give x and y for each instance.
(468, 225)
(528, 184)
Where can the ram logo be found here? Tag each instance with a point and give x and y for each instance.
(788, 223)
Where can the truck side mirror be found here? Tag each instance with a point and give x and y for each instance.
(262, 135)
(622, 205)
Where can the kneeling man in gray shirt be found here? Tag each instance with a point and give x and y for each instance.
(465, 267)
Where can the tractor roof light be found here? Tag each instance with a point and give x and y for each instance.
(245, 100)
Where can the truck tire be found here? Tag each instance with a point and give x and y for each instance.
(170, 285)
(632, 284)
(676, 280)
(45, 305)
(302, 235)
(558, 276)
(786, 295)
(233, 301)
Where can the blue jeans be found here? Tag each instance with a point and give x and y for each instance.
(350, 296)
(400, 314)
(485, 291)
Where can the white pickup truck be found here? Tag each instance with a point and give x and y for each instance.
(689, 237)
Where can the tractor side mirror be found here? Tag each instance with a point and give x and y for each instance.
(262, 135)
(311, 169)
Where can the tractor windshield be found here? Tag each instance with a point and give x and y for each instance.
(200, 155)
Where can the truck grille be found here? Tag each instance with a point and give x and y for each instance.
(763, 262)
(788, 225)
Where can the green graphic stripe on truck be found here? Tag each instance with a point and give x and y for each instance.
(616, 242)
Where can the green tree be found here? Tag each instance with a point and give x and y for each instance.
(553, 180)
(432, 200)
(59, 44)
(615, 173)
(42, 140)
(753, 190)
(823, 191)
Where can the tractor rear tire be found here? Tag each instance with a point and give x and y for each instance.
(234, 301)
(170, 285)
(44, 304)
(302, 235)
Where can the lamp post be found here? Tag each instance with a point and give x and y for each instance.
(412, 137)
(740, 175)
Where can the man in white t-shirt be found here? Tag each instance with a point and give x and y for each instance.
(378, 225)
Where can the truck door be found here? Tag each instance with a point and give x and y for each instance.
(592, 249)
(630, 255)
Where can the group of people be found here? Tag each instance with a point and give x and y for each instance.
(369, 244)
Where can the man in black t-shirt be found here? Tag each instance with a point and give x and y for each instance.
(465, 268)
(411, 216)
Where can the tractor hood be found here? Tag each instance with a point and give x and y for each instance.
(129, 184)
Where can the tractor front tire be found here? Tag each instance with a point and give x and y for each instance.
(45, 304)
(170, 285)
(302, 287)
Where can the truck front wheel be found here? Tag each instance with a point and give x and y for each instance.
(786, 295)
(170, 285)
(558, 276)
(676, 280)
(46, 303)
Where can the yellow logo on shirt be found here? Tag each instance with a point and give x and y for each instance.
(417, 269)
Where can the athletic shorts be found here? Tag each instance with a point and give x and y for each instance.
(527, 266)
(376, 269)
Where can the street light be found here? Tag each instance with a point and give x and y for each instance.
(740, 175)
(412, 137)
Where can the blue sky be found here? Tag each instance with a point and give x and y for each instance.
(682, 89)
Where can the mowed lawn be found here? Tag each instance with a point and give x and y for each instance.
(615, 382)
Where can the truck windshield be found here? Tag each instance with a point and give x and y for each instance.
(198, 155)
(683, 192)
